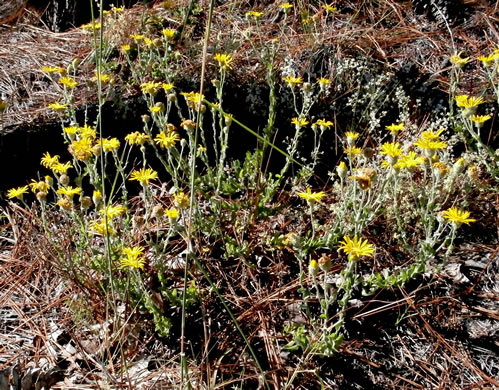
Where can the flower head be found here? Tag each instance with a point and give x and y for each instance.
(37, 186)
(352, 151)
(431, 135)
(167, 140)
(53, 69)
(150, 87)
(132, 257)
(409, 161)
(172, 213)
(458, 61)
(391, 149)
(181, 200)
(356, 248)
(111, 212)
(17, 192)
(68, 82)
(323, 81)
(395, 127)
(466, 101)
(254, 14)
(286, 6)
(57, 106)
(48, 161)
(137, 138)
(224, 61)
(69, 191)
(144, 175)
(458, 217)
(100, 227)
(169, 33)
(292, 80)
(61, 168)
(299, 122)
(312, 197)
(82, 149)
(479, 120)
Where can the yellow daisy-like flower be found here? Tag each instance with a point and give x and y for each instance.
(132, 257)
(458, 217)
(61, 168)
(100, 227)
(65, 204)
(181, 200)
(395, 127)
(410, 161)
(342, 170)
(286, 6)
(458, 61)
(292, 80)
(328, 8)
(150, 87)
(57, 106)
(69, 191)
(431, 135)
(323, 124)
(352, 151)
(68, 82)
(126, 48)
(167, 140)
(48, 161)
(299, 122)
(167, 86)
(254, 14)
(82, 149)
(156, 109)
(137, 138)
(487, 61)
(466, 101)
(351, 136)
(310, 196)
(137, 37)
(53, 69)
(17, 192)
(91, 26)
(88, 132)
(172, 213)
(323, 81)
(391, 149)
(104, 78)
(356, 248)
(110, 144)
(144, 175)
(168, 33)
(480, 119)
(429, 144)
(111, 212)
(224, 61)
(37, 186)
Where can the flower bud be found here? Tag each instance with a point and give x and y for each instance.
(325, 263)
(313, 268)
(86, 202)
(157, 211)
(64, 180)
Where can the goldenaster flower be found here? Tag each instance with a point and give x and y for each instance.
(172, 213)
(458, 61)
(292, 80)
(356, 248)
(57, 106)
(458, 217)
(17, 192)
(428, 144)
(395, 128)
(110, 144)
(68, 82)
(466, 101)
(132, 257)
(111, 212)
(224, 61)
(312, 197)
(181, 200)
(144, 175)
(53, 69)
(352, 151)
(137, 138)
(168, 33)
(167, 140)
(299, 122)
(69, 191)
(82, 149)
(48, 161)
(479, 120)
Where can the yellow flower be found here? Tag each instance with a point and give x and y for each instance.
(104, 78)
(82, 149)
(156, 109)
(181, 200)
(224, 61)
(458, 217)
(37, 186)
(299, 122)
(61, 168)
(71, 130)
(149, 42)
(88, 132)
(428, 144)
(48, 161)
(110, 144)
(292, 80)
(356, 248)
(328, 8)
(480, 119)
(193, 97)
(64, 203)
(53, 69)
(144, 175)
(487, 60)
(57, 106)
(323, 124)
(69, 191)
(323, 81)
(150, 87)
(351, 136)
(458, 61)
(352, 151)
(409, 161)
(68, 82)
(111, 212)
(167, 86)
(466, 101)
(341, 169)
(91, 26)
(136, 37)
(168, 33)
(392, 150)
(125, 48)
(137, 138)
(17, 192)
(312, 197)
(313, 268)
(395, 128)
(172, 213)
(286, 6)
(254, 14)
(167, 140)
(100, 227)
(431, 135)
(132, 257)
(440, 168)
